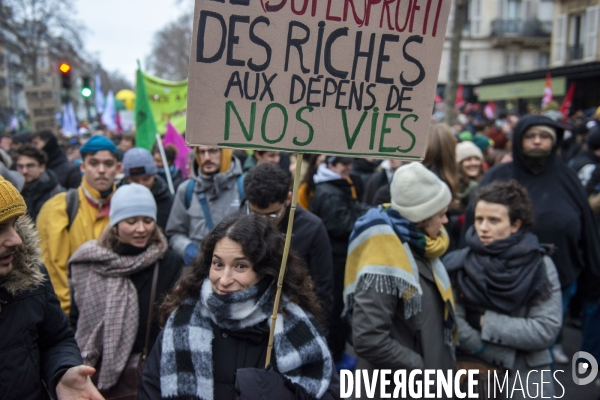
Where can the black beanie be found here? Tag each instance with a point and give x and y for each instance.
(593, 138)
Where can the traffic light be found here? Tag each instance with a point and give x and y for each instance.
(86, 90)
(65, 70)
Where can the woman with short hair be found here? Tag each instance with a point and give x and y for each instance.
(509, 308)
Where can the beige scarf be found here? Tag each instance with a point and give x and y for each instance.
(108, 304)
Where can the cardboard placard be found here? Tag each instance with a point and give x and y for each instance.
(41, 102)
(343, 77)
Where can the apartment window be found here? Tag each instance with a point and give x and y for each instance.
(511, 62)
(463, 70)
(576, 36)
(543, 60)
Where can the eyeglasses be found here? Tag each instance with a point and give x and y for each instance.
(270, 215)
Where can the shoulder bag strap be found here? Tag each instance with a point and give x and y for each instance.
(206, 210)
(151, 311)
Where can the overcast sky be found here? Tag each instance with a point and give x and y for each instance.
(121, 31)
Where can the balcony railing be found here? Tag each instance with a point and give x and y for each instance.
(576, 52)
(519, 27)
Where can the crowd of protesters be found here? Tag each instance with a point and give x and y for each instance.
(110, 254)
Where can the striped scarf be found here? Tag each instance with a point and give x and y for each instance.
(380, 253)
(186, 366)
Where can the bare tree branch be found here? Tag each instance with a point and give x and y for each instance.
(171, 50)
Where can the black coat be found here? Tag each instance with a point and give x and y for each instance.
(164, 201)
(375, 183)
(311, 243)
(69, 175)
(231, 351)
(36, 343)
(36, 193)
(561, 210)
(169, 269)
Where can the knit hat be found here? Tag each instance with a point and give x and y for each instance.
(545, 128)
(98, 143)
(465, 150)
(138, 162)
(465, 135)
(11, 201)
(131, 200)
(481, 141)
(593, 138)
(417, 193)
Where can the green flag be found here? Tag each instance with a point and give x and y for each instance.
(168, 101)
(145, 127)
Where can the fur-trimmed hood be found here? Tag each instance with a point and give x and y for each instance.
(26, 273)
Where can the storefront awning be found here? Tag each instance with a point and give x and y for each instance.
(521, 90)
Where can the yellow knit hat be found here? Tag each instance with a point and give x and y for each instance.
(11, 201)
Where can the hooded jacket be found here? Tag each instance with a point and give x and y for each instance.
(37, 345)
(58, 242)
(188, 225)
(36, 193)
(68, 174)
(562, 214)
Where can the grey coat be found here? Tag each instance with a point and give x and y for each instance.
(384, 339)
(518, 342)
(187, 226)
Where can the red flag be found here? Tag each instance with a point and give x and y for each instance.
(438, 99)
(490, 110)
(565, 107)
(459, 97)
(547, 98)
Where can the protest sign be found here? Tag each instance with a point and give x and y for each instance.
(168, 101)
(320, 76)
(41, 102)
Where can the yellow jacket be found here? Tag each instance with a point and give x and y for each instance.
(58, 243)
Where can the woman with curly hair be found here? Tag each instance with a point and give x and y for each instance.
(508, 307)
(215, 338)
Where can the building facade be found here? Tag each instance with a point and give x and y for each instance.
(501, 37)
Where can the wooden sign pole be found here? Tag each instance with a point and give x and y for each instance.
(286, 250)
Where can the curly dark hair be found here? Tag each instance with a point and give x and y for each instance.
(263, 245)
(29, 150)
(513, 196)
(266, 184)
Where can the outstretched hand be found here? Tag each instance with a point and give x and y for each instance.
(77, 385)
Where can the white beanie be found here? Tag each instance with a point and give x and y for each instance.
(417, 193)
(467, 149)
(131, 200)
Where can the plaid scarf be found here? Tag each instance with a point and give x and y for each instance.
(186, 367)
(380, 254)
(108, 304)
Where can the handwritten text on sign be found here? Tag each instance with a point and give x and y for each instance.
(328, 76)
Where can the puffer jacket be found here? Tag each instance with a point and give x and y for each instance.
(36, 346)
(58, 242)
(188, 225)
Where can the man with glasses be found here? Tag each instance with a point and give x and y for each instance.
(213, 192)
(267, 190)
(40, 183)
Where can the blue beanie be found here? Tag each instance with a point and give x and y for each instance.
(99, 143)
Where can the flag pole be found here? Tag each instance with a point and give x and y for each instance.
(286, 249)
(165, 163)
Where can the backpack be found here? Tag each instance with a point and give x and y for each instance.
(189, 191)
(72, 206)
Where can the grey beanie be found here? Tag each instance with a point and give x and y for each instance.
(417, 193)
(131, 200)
(138, 162)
